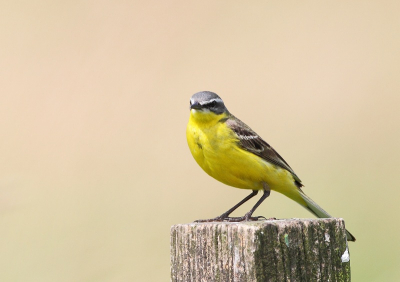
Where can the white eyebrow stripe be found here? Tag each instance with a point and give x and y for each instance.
(247, 137)
(210, 101)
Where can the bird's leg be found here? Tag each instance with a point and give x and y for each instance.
(248, 216)
(226, 214)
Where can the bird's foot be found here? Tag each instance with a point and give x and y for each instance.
(225, 217)
(220, 218)
(243, 218)
(246, 217)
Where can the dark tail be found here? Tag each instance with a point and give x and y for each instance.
(320, 212)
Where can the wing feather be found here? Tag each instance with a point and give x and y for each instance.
(252, 142)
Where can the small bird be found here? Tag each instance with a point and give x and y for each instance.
(231, 152)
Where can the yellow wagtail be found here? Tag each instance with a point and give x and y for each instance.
(231, 152)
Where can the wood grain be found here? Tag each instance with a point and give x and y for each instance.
(269, 250)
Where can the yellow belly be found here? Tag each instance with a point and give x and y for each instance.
(215, 149)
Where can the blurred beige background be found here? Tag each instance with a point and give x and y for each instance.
(94, 164)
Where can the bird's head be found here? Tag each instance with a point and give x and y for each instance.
(206, 106)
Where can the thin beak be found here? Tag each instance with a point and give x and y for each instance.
(195, 105)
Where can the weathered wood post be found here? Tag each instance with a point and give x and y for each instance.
(269, 250)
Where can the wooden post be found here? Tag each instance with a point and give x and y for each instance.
(268, 250)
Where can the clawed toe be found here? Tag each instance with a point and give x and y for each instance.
(209, 220)
(223, 218)
(217, 219)
(243, 218)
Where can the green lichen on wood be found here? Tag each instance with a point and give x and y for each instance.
(276, 250)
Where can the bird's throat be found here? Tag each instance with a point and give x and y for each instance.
(205, 117)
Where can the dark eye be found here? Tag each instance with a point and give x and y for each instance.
(213, 104)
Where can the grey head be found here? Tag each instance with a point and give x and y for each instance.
(207, 101)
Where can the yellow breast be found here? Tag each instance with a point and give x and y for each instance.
(215, 148)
